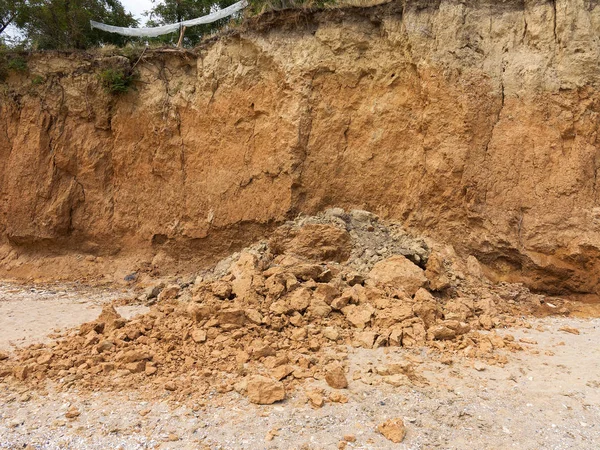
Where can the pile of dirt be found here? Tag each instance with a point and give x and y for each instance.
(286, 310)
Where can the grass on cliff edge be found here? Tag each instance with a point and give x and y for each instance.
(116, 81)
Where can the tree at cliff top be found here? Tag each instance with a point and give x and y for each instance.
(65, 24)
(173, 11)
(9, 10)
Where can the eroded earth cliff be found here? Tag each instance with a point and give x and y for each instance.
(472, 122)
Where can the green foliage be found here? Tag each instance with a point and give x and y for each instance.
(116, 81)
(261, 6)
(17, 64)
(37, 80)
(64, 24)
(8, 13)
(11, 61)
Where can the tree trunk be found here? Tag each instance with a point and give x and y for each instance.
(181, 33)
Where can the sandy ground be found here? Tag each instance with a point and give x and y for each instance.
(28, 314)
(546, 397)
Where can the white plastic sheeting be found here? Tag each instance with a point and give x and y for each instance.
(166, 29)
(137, 32)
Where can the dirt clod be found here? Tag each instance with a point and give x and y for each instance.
(72, 413)
(315, 398)
(336, 378)
(264, 391)
(569, 330)
(393, 429)
(400, 271)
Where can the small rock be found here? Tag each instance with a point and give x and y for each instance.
(131, 277)
(362, 216)
(279, 308)
(299, 334)
(479, 366)
(339, 303)
(72, 413)
(169, 293)
(440, 332)
(436, 272)
(334, 212)
(354, 278)
(486, 322)
(15, 423)
(393, 430)
(337, 397)
(44, 359)
(359, 316)
(447, 360)
(314, 345)
(153, 291)
(221, 289)
(262, 351)
(336, 378)
(241, 386)
(254, 316)
(198, 313)
(396, 380)
(326, 292)
(21, 372)
(233, 317)
(133, 356)
(349, 438)
(136, 367)
(300, 299)
(198, 335)
(399, 271)
(104, 346)
(319, 309)
(264, 391)
(91, 338)
(271, 434)
(567, 329)
(315, 398)
(366, 339)
(279, 373)
(331, 333)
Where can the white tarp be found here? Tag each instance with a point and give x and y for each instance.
(165, 29)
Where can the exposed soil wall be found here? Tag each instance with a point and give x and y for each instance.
(474, 122)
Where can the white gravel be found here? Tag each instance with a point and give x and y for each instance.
(547, 396)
